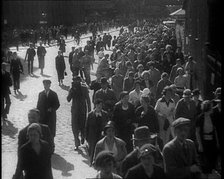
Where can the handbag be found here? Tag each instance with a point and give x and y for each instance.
(166, 124)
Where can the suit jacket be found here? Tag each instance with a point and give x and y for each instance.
(139, 172)
(48, 102)
(121, 149)
(109, 98)
(177, 164)
(46, 135)
(6, 82)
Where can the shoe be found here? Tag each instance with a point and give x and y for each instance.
(15, 92)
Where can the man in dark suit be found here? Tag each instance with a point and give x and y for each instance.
(6, 82)
(142, 136)
(180, 153)
(34, 117)
(47, 104)
(94, 126)
(30, 54)
(107, 95)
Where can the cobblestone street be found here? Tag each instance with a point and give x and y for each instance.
(66, 163)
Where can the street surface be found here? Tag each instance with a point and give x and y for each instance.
(66, 163)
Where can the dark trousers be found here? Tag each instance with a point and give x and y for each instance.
(5, 105)
(208, 156)
(78, 126)
(76, 71)
(16, 81)
(30, 66)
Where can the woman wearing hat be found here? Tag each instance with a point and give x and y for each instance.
(135, 95)
(124, 116)
(146, 169)
(117, 83)
(35, 156)
(112, 144)
(105, 163)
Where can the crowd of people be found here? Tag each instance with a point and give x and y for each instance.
(149, 119)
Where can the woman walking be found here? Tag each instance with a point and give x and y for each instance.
(60, 67)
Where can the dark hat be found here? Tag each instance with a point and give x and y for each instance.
(103, 157)
(218, 90)
(187, 93)
(180, 122)
(46, 81)
(110, 124)
(141, 133)
(147, 149)
(103, 80)
(196, 92)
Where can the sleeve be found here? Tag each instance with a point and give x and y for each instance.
(130, 175)
(19, 166)
(39, 102)
(56, 103)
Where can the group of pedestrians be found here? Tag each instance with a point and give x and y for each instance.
(148, 120)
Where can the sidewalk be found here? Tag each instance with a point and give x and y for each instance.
(69, 39)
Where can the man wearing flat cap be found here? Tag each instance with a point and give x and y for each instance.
(180, 153)
(141, 137)
(146, 168)
(186, 108)
(48, 103)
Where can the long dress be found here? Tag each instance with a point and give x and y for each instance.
(60, 67)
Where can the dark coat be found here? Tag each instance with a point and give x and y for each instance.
(93, 129)
(109, 98)
(124, 120)
(30, 54)
(46, 135)
(149, 119)
(139, 172)
(16, 68)
(6, 82)
(177, 164)
(60, 66)
(44, 103)
(35, 166)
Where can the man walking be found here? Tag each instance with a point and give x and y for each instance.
(30, 54)
(79, 94)
(41, 52)
(47, 104)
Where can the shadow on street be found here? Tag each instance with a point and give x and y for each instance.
(59, 163)
(9, 129)
(47, 76)
(20, 96)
